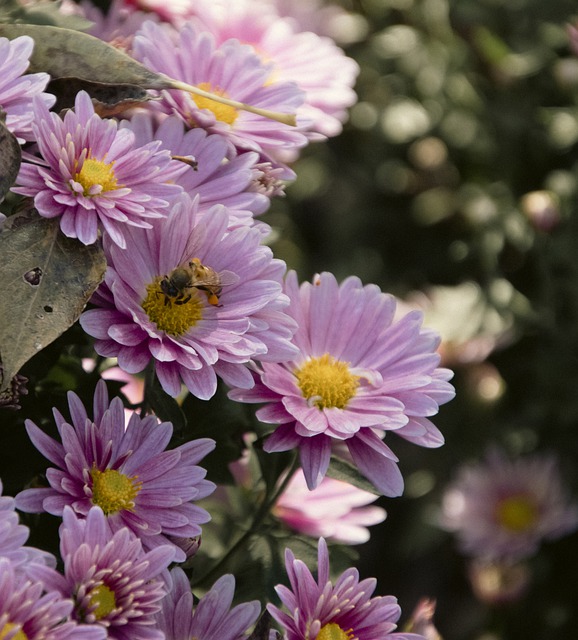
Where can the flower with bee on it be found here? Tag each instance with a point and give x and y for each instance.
(148, 309)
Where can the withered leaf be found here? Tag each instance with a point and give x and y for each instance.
(10, 156)
(108, 99)
(46, 280)
(65, 53)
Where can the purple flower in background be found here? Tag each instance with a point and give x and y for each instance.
(27, 612)
(17, 89)
(115, 585)
(13, 535)
(316, 64)
(126, 472)
(358, 375)
(502, 509)
(91, 173)
(335, 510)
(192, 336)
(213, 177)
(320, 610)
(231, 70)
(212, 617)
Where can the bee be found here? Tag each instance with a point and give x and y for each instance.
(177, 285)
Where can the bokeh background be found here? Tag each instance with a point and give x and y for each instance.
(454, 187)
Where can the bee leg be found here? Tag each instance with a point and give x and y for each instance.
(214, 300)
(183, 300)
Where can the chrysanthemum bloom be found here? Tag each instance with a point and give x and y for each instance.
(212, 618)
(13, 535)
(17, 90)
(212, 176)
(358, 373)
(126, 472)
(232, 70)
(502, 509)
(91, 173)
(334, 510)
(319, 610)
(114, 584)
(27, 612)
(192, 336)
(316, 64)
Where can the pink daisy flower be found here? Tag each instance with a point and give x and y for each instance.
(232, 70)
(17, 89)
(215, 178)
(114, 584)
(321, 610)
(92, 174)
(212, 618)
(358, 375)
(28, 612)
(502, 509)
(125, 471)
(334, 510)
(147, 310)
(316, 64)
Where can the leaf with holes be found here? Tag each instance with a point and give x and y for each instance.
(46, 280)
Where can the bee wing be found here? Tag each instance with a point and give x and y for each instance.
(227, 278)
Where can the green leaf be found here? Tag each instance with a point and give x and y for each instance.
(165, 407)
(10, 156)
(342, 470)
(46, 280)
(262, 628)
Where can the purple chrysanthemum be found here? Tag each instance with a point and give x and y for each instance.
(358, 373)
(196, 335)
(13, 535)
(114, 584)
(17, 90)
(213, 177)
(92, 173)
(27, 611)
(316, 64)
(319, 610)
(126, 472)
(232, 70)
(502, 509)
(212, 618)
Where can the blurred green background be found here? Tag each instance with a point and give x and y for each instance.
(456, 177)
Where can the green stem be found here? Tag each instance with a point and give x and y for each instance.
(260, 515)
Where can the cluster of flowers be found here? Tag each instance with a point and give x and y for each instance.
(173, 191)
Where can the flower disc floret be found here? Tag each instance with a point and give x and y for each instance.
(92, 175)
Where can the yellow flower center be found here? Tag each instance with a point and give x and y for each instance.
(516, 513)
(173, 315)
(103, 598)
(7, 628)
(96, 173)
(223, 112)
(112, 491)
(333, 631)
(327, 382)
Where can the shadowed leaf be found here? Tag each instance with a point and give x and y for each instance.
(46, 281)
(10, 156)
(346, 472)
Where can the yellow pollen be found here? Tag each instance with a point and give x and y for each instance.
(7, 628)
(112, 491)
(223, 112)
(333, 631)
(103, 598)
(170, 317)
(516, 513)
(327, 382)
(96, 172)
